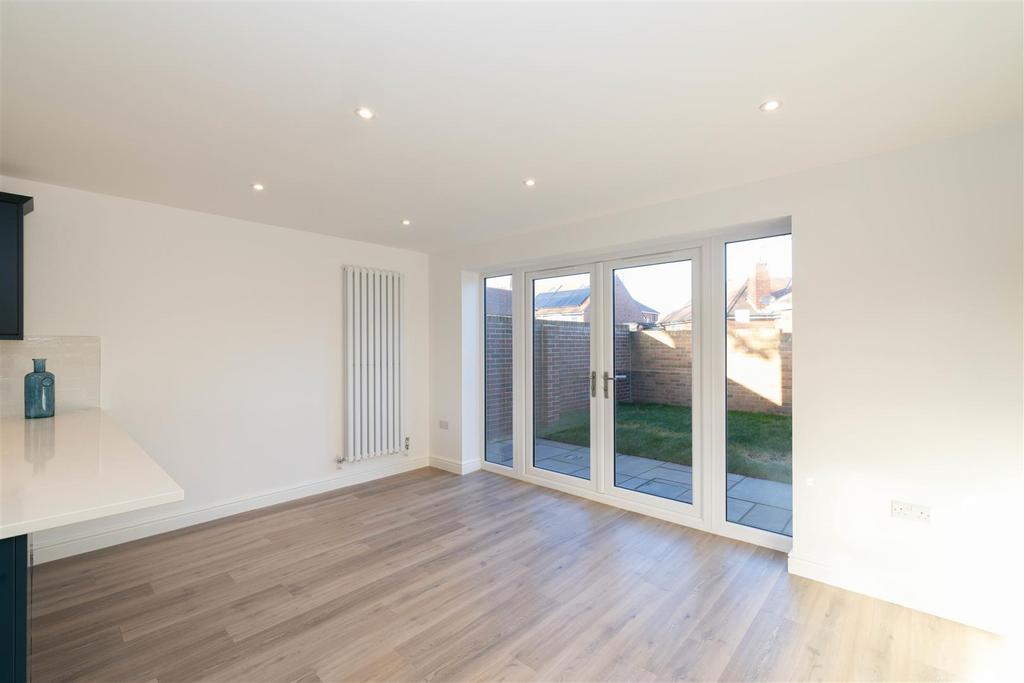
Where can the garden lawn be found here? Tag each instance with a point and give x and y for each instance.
(759, 444)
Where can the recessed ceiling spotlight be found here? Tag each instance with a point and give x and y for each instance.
(258, 187)
(529, 182)
(406, 221)
(365, 113)
(769, 106)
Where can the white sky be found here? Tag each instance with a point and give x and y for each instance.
(666, 286)
(777, 252)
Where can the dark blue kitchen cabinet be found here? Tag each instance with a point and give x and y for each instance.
(14, 599)
(13, 209)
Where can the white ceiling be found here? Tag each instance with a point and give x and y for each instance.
(608, 106)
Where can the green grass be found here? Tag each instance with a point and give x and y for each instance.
(759, 444)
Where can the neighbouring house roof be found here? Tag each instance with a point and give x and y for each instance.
(680, 315)
(563, 298)
(780, 299)
(497, 301)
(738, 300)
(571, 302)
(628, 309)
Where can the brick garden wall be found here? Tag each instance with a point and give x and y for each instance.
(657, 363)
(662, 363)
(498, 387)
(759, 365)
(561, 369)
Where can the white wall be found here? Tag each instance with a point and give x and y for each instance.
(221, 347)
(471, 422)
(907, 361)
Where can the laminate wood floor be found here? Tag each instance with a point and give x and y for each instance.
(427, 575)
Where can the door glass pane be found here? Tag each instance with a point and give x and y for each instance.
(561, 374)
(498, 370)
(652, 309)
(759, 389)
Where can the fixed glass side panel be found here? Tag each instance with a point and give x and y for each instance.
(652, 338)
(498, 370)
(759, 373)
(562, 314)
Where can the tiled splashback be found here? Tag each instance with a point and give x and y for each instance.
(75, 362)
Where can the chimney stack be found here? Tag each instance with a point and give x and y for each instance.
(759, 289)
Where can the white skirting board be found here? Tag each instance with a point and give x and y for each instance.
(454, 466)
(60, 543)
(881, 589)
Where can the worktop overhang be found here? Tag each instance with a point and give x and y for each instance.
(74, 467)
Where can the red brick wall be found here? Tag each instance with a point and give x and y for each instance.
(498, 375)
(662, 364)
(759, 365)
(561, 369)
(658, 366)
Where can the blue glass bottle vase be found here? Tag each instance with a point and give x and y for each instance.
(39, 397)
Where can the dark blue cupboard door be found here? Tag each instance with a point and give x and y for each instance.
(14, 596)
(13, 208)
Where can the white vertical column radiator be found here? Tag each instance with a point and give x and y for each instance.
(374, 353)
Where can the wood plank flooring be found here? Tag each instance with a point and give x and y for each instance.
(431, 576)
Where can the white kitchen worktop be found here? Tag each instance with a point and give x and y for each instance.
(76, 466)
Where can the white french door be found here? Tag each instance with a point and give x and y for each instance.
(607, 380)
(650, 381)
(562, 353)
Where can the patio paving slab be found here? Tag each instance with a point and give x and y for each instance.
(557, 444)
(499, 447)
(678, 476)
(767, 517)
(542, 451)
(564, 468)
(499, 452)
(631, 483)
(766, 492)
(634, 466)
(735, 509)
(580, 457)
(662, 488)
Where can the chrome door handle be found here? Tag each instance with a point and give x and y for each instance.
(607, 378)
(593, 383)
